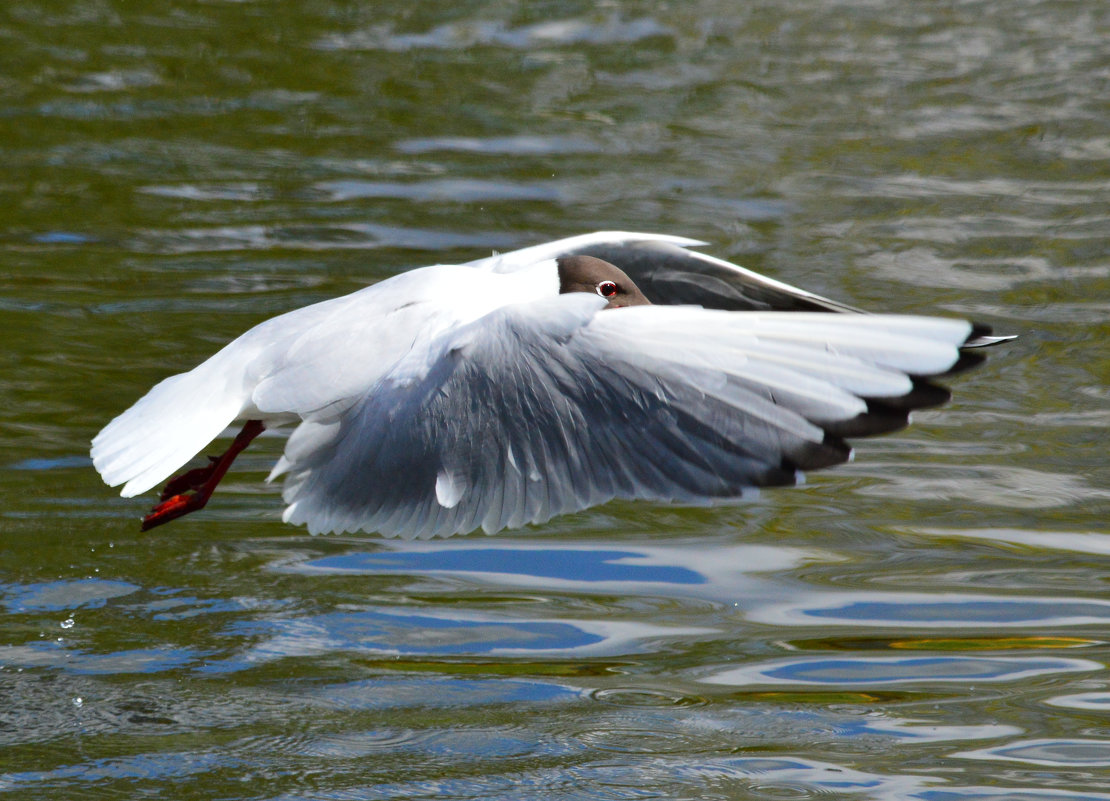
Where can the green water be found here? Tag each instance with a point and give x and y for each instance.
(928, 622)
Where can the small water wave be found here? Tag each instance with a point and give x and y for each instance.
(440, 692)
(1094, 701)
(58, 654)
(521, 146)
(645, 697)
(1055, 753)
(382, 632)
(304, 236)
(604, 30)
(1090, 542)
(1004, 486)
(934, 611)
(885, 670)
(721, 573)
(450, 190)
(63, 595)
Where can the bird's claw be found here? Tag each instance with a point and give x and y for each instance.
(189, 481)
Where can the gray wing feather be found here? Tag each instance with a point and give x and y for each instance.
(525, 415)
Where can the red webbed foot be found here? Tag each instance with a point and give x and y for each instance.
(190, 481)
(191, 490)
(172, 508)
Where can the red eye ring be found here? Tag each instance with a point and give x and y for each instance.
(607, 289)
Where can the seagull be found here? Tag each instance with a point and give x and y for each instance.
(529, 384)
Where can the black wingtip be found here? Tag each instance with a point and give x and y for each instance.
(983, 336)
(832, 450)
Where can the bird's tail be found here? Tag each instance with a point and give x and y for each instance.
(164, 429)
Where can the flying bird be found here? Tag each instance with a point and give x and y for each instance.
(529, 384)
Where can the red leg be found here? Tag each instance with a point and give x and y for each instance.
(192, 480)
(201, 482)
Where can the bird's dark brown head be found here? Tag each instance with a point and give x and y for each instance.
(587, 274)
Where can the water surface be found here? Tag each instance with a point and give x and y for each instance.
(929, 622)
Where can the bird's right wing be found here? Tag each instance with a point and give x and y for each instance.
(549, 407)
(669, 273)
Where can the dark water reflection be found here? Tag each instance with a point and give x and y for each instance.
(929, 622)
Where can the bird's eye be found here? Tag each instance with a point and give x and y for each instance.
(607, 289)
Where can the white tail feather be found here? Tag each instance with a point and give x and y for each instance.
(165, 429)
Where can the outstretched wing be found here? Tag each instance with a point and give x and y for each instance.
(668, 273)
(544, 408)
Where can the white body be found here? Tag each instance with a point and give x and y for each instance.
(451, 398)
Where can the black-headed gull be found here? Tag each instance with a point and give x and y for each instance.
(514, 388)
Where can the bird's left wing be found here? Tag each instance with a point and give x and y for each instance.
(549, 407)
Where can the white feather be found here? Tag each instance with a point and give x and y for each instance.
(167, 427)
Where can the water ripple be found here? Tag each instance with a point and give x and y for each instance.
(440, 693)
(452, 190)
(878, 671)
(56, 654)
(522, 145)
(590, 31)
(717, 574)
(951, 610)
(390, 632)
(1057, 753)
(302, 236)
(59, 595)
(645, 697)
(1099, 701)
(1090, 542)
(1005, 486)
